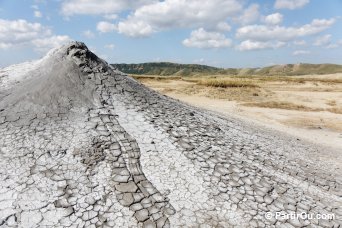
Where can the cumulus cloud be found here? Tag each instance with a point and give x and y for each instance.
(223, 27)
(88, 34)
(290, 4)
(161, 15)
(110, 46)
(249, 15)
(335, 45)
(111, 16)
(274, 19)
(264, 33)
(45, 44)
(249, 45)
(94, 7)
(299, 42)
(199, 61)
(21, 32)
(5, 45)
(322, 40)
(133, 28)
(38, 14)
(300, 52)
(104, 27)
(201, 38)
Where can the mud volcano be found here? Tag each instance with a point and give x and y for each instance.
(83, 145)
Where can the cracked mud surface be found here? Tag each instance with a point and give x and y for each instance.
(83, 145)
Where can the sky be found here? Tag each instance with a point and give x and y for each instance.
(222, 33)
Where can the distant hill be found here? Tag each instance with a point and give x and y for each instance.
(175, 69)
(166, 69)
(299, 69)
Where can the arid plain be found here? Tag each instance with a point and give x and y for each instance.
(308, 106)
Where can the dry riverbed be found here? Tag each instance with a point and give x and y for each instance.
(308, 107)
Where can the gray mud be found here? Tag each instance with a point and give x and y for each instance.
(83, 145)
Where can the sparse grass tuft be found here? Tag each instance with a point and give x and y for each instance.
(336, 110)
(282, 105)
(227, 83)
(331, 103)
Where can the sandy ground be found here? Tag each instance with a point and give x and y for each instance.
(320, 127)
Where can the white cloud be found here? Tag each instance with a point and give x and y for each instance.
(290, 4)
(134, 28)
(5, 45)
(264, 33)
(249, 15)
(37, 13)
(95, 7)
(88, 34)
(129, 28)
(40, 1)
(300, 52)
(48, 43)
(299, 42)
(110, 46)
(274, 19)
(200, 38)
(334, 45)
(249, 45)
(199, 61)
(20, 32)
(223, 26)
(161, 15)
(104, 26)
(111, 16)
(322, 40)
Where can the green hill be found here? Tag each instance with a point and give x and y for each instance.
(166, 69)
(175, 69)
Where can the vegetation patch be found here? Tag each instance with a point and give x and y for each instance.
(336, 110)
(282, 105)
(227, 83)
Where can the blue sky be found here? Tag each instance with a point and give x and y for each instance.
(223, 33)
